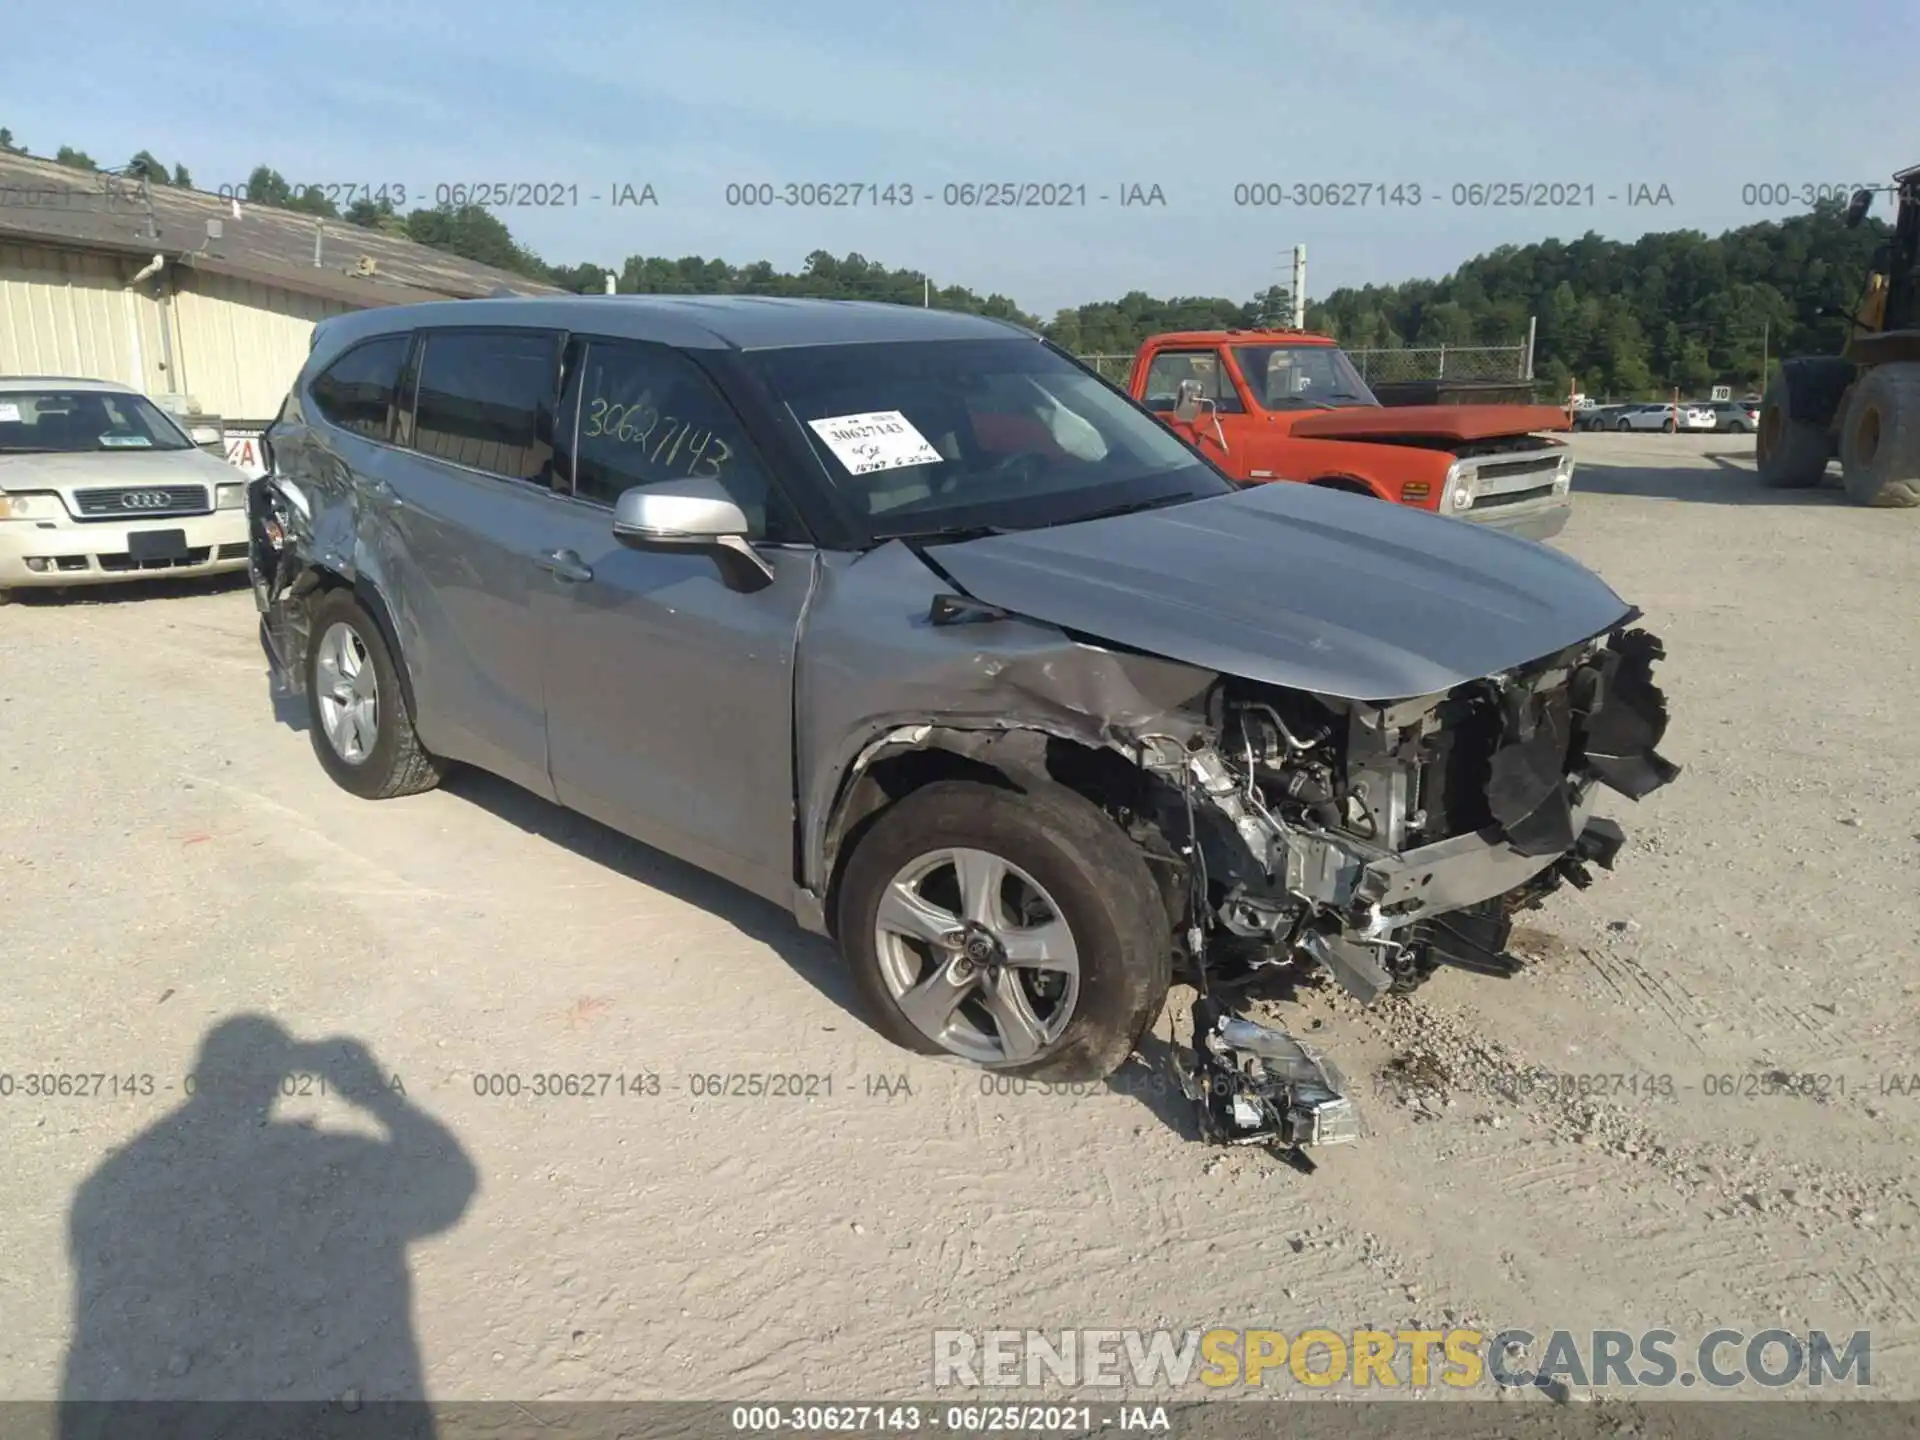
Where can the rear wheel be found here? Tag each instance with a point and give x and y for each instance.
(357, 715)
(1018, 931)
(1789, 454)
(1623, 425)
(1880, 438)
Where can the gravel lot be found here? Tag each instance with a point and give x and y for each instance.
(174, 858)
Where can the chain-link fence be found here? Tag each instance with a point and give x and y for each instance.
(1388, 366)
(1441, 362)
(1110, 367)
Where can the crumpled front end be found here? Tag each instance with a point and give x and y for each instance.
(1382, 842)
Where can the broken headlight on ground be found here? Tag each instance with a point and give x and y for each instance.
(1380, 842)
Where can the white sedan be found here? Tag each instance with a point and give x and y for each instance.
(1664, 417)
(98, 484)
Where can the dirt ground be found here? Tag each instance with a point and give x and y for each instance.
(175, 859)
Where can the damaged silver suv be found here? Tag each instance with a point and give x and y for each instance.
(909, 622)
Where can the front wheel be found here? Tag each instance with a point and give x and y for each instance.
(1880, 438)
(1019, 931)
(1623, 426)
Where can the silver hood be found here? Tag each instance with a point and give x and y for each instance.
(1314, 590)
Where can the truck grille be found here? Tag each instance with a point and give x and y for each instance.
(141, 502)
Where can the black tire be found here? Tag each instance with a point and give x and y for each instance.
(1097, 877)
(1880, 438)
(396, 763)
(1789, 454)
(1669, 426)
(1623, 425)
(1737, 427)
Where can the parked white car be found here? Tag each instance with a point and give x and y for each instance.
(98, 484)
(1664, 417)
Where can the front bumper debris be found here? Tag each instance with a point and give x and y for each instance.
(1254, 1085)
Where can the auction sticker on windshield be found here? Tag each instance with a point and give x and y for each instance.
(878, 440)
(9, 412)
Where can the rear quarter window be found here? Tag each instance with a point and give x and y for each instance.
(357, 391)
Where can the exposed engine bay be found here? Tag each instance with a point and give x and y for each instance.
(1381, 843)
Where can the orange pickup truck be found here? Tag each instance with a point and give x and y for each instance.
(1285, 405)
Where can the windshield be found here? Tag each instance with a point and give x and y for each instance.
(931, 436)
(73, 422)
(1286, 377)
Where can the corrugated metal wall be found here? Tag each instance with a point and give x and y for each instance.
(66, 313)
(239, 344)
(236, 345)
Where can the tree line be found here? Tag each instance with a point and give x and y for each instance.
(1616, 319)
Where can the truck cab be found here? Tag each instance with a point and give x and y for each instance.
(1288, 405)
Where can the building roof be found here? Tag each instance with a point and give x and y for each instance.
(696, 322)
(48, 204)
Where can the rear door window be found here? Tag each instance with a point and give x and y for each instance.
(485, 400)
(356, 392)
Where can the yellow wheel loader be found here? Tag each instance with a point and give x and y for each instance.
(1861, 406)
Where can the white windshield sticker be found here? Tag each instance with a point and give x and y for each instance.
(878, 440)
(9, 413)
(125, 442)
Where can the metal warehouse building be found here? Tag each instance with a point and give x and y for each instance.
(181, 293)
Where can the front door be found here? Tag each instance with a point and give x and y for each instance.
(1212, 434)
(669, 694)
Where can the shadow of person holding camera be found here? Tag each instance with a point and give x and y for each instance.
(225, 1259)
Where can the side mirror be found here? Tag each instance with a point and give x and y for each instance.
(1857, 207)
(694, 515)
(1186, 405)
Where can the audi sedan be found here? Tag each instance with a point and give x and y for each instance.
(97, 484)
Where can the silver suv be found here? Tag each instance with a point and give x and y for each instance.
(911, 623)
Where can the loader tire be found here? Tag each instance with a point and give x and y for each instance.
(1789, 454)
(1880, 439)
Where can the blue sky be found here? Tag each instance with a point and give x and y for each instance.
(1703, 99)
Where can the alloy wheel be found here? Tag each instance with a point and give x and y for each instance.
(978, 956)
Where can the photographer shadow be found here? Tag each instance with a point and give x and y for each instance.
(235, 1272)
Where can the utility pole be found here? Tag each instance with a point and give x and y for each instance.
(926, 293)
(1766, 334)
(1299, 287)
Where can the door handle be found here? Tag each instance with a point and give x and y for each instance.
(565, 565)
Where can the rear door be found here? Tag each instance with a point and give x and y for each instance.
(463, 493)
(669, 695)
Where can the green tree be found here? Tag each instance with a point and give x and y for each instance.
(181, 179)
(7, 147)
(143, 166)
(77, 159)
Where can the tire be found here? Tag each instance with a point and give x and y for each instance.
(1093, 879)
(394, 763)
(1880, 438)
(1789, 454)
(1669, 427)
(1623, 426)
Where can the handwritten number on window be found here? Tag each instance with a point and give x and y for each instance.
(705, 460)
